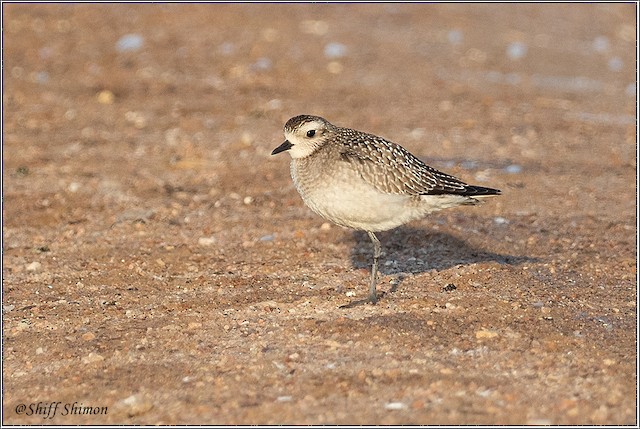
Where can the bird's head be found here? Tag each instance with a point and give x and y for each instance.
(304, 135)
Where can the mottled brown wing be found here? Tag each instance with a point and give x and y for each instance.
(392, 169)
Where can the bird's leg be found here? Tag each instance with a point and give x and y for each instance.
(374, 268)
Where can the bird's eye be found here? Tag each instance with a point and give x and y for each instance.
(311, 133)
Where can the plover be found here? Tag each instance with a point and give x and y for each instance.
(365, 182)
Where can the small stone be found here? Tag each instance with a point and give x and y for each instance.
(284, 399)
(135, 405)
(539, 422)
(194, 325)
(498, 220)
(247, 200)
(325, 226)
(615, 64)
(92, 358)
(601, 44)
(335, 50)
(105, 97)
(73, 187)
(130, 43)
(455, 37)
(274, 104)
(34, 266)
(513, 169)
(516, 50)
(486, 333)
(88, 336)
(262, 64)
(39, 350)
(206, 241)
(395, 406)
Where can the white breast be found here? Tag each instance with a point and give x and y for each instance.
(344, 198)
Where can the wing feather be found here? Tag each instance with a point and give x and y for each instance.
(394, 170)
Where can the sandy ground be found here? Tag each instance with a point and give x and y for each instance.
(160, 268)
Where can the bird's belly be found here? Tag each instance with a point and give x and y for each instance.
(345, 199)
(359, 207)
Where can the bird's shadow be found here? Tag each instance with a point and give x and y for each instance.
(408, 250)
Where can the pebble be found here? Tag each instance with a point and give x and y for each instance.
(395, 406)
(513, 169)
(130, 43)
(73, 187)
(284, 399)
(227, 48)
(88, 336)
(41, 77)
(455, 37)
(269, 237)
(262, 64)
(498, 220)
(615, 64)
(136, 405)
(274, 104)
(39, 350)
(34, 266)
(539, 422)
(206, 241)
(601, 44)
(105, 97)
(516, 50)
(486, 333)
(335, 50)
(631, 89)
(92, 358)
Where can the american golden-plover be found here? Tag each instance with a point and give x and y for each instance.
(365, 182)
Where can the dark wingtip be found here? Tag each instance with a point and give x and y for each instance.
(479, 191)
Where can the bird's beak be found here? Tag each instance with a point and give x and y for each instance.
(284, 146)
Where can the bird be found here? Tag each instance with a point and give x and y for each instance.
(365, 182)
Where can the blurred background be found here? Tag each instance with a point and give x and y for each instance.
(157, 259)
